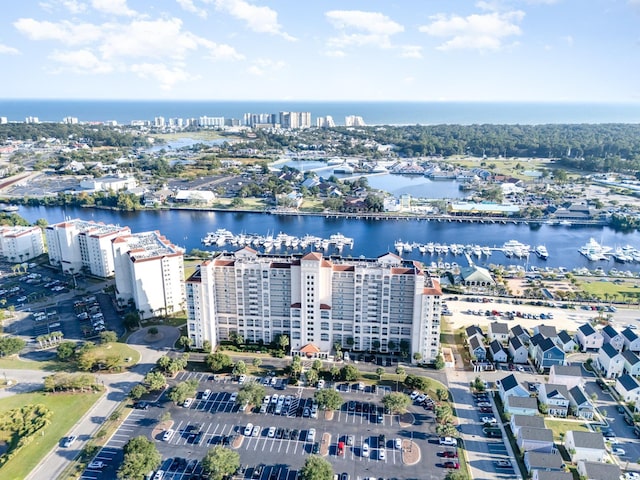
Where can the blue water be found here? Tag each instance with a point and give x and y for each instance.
(371, 237)
(373, 113)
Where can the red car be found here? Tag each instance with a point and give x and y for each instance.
(486, 410)
(449, 454)
(454, 465)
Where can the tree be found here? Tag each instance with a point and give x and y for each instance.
(138, 391)
(417, 356)
(155, 381)
(251, 393)
(283, 342)
(131, 321)
(66, 350)
(183, 390)
(400, 370)
(439, 363)
(220, 462)
(349, 373)
(218, 361)
(334, 371)
(11, 345)
(316, 468)
(239, 368)
(206, 346)
(416, 382)
(153, 331)
(317, 365)
(108, 336)
(312, 376)
(140, 457)
(328, 399)
(184, 343)
(380, 372)
(256, 362)
(396, 402)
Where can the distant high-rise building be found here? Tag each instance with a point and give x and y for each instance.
(32, 120)
(325, 122)
(354, 121)
(3, 120)
(70, 120)
(295, 120)
(158, 122)
(385, 303)
(255, 119)
(211, 121)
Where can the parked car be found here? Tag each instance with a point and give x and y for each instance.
(187, 402)
(451, 464)
(271, 432)
(248, 429)
(96, 465)
(449, 454)
(490, 420)
(311, 435)
(382, 454)
(503, 464)
(448, 441)
(618, 451)
(365, 450)
(397, 443)
(167, 435)
(69, 441)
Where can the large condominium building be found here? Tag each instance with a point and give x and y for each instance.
(354, 121)
(18, 244)
(149, 272)
(79, 245)
(383, 304)
(295, 120)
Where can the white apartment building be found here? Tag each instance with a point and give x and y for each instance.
(354, 121)
(382, 304)
(325, 122)
(77, 245)
(149, 272)
(295, 120)
(18, 244)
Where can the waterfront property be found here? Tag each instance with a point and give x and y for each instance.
(18, 244)
(379, 304)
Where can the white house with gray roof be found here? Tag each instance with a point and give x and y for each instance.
(611, 336)
(498, 331)
(521, 405)
(566, 342)
(609, 361)
(521, 333)
(580, 404)
(517, 351)
(539, 474)
(586, 446)
(497, 352)
(628, 388)
(631, 363)
(547, 331)
(567, 375)
(548, 462)
(518, 421)
(532, 439)
(598, 471)
(588, 337)
(556, 398)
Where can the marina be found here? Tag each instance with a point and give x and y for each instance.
(267, 243)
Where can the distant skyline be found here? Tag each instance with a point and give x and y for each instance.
(332, 50)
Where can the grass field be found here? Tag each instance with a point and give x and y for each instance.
(560, 427)
(14, 362)
(67, 410)
(630, 290)
(200, 135)
(121, 349)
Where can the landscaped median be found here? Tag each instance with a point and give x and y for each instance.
(325, 444)
(65, 410)
(410, 452)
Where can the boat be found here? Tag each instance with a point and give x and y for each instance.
(541, 252)
(621, 257)
(10, 208)
(594, 251)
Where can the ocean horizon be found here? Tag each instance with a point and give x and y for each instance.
(372, 112)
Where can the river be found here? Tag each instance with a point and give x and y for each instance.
(371, 237)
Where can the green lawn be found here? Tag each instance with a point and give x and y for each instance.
(67, 410)
(560, 427)
(125, 351)
(18, 364)
(596, 287)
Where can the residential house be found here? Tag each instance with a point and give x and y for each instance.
(531, 439)
(628, 388)
(631, 363)
(520, 333)
(538, 474)
(548, 462)
(580, 405)
(598, 471)
(588, 337)
(631, 340)
(474, 330)
(498, 331)
(547, 331)
(477, 349)
(609, 361)
(566, 342)
(556, 398)
(517, 351)
(509, 386)
(518, 421)
(497, 352)
(521, 405)
(533, 344)
(567, 375)
(586, 446)
(612, 337)
(548, 354)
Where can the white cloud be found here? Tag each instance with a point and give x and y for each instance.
(359, 28)
(411, 51)
(263, 66)
(7, 50)
(219, 51)
(568, 39)
(166, 76)
(64, 31)
(258, 19)
(474, 32)
(113, 7)
(335, 53)
(189, 6)
(80, 61)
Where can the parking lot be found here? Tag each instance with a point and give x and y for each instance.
(276, 445)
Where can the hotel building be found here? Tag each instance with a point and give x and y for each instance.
(149, 272)
(383, 304)
(18, 244)
(79, 245)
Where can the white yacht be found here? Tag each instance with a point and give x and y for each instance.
(542, 252)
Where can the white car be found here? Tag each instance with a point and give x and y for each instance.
(69, 441)
(167, 435)
(256, 431)
(489, 420)
(320, 383)
(415, 394)
(159, 475)
(398, 443)
(233, 397)
(520, 368)
(248, 429)
(96, 465)
(365, 450)
(311, 435)
(448, 441)
(242, 379)
(187, 402)
(272, 432)
(618, 451)
(420, 398)
(206, 394)
(382, 454)
(631, 476)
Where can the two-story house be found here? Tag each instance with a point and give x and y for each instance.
(556, 398)
(586, 446)
(517, 351)
(498, 331)
(520, 333)
(518, 421)
(628, 388)
(531, 439)
(547, 331)
(509, 386)
(547, 354)
(497, 352)
(474, 330)
(611, 336)
(566, 342)
(588, 337)
(609, 361)
(549, 462)
(521, 405)
(580, 404)
(631, 340)
(598, 471)
(477, 349)
(631, 363)
(567, 375)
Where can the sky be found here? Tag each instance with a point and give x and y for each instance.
(340, 50)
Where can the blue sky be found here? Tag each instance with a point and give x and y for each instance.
(420, 50)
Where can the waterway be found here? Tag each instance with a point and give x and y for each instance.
(371, 237)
